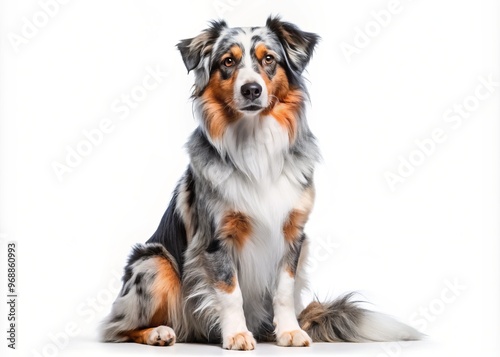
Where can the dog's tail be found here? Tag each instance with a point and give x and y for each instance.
(343, 320)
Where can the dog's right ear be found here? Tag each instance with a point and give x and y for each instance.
(196, 52)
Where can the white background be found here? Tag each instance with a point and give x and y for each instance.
(401, 249)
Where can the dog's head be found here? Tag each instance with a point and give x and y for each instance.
(247, 72)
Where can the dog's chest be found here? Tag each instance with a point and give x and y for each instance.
(265, 187)
(267, 204)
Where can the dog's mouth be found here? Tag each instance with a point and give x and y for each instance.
(252, 108)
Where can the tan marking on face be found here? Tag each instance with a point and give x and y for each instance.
(285, 103)
(290, 272)
(225, 287)
(236, 228)
(236, 52)
(260, 51)
(297, 218)
(218, 104)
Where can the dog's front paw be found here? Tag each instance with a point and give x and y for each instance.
(297, 338)
(161, 336)
(239, 341)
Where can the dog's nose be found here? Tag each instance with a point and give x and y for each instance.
(251, 90)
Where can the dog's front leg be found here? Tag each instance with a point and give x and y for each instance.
(287, 329)
(235, 334)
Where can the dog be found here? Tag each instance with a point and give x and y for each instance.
(226, 264)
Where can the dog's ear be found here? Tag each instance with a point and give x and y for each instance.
(298, 45)
(196, 52)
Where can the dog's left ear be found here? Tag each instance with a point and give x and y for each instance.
(299, 45)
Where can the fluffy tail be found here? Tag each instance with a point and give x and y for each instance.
(344, 320)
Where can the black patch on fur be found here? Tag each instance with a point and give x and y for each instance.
(214, 246)
(293, 255)
(265, 332)
(143, 252)
(256, 38)
(125, 290)
(190, 187)
(128, 274)
(138, 278)
(171, 233)
(139, 289)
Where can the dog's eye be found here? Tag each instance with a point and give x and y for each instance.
(268, 59)
(229, 62)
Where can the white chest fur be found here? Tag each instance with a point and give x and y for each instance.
(267, 204)
(264, 188)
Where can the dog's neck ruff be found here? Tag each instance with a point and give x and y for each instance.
(256, 145)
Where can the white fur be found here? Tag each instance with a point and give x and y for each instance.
(266, 189)
(284, 305)
(162, 335)
(301, 278)
(130, 304)
(232, 318)
(288, 331)
(380, 327)
(185, 210)
(247, 74)
(256, 146)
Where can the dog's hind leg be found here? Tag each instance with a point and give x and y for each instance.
(149, 304)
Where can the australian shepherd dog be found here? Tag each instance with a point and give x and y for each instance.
(226, 264)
